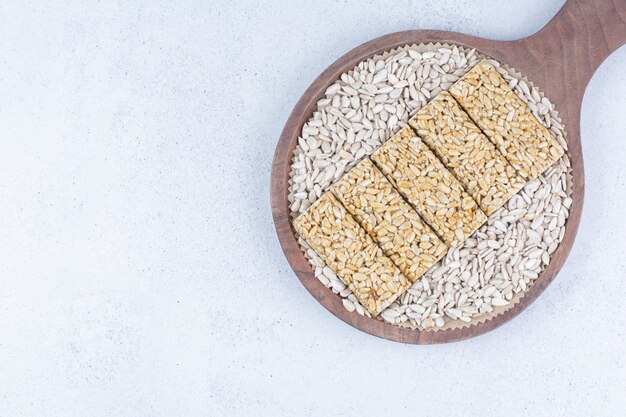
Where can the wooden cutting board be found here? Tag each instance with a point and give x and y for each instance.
(560, 60)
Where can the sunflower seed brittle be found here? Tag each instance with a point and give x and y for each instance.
(431, 189)
(466, 152)
(392, 223)
(506, 120)
(351, 253)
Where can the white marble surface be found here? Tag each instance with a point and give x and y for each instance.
(140, 274)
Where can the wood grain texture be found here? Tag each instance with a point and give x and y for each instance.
(560, 60)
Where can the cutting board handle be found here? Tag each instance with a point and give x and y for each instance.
(581, 35)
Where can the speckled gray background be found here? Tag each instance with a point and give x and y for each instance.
(140, 274)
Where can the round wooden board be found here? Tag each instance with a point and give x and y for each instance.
(560, 59)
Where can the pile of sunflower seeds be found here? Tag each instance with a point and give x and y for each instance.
(365, 107)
